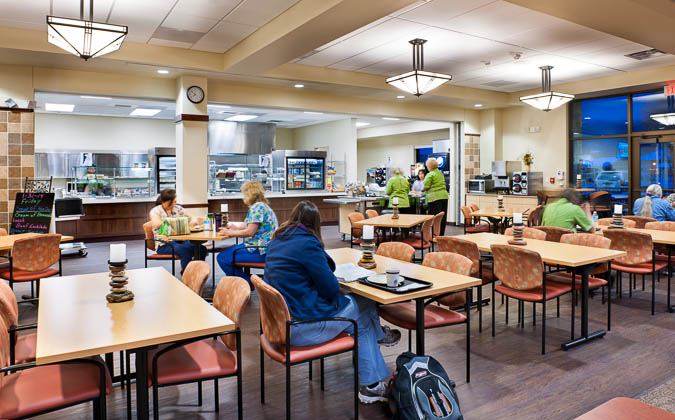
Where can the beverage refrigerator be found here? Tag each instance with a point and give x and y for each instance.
(302, 169)
(164, 159)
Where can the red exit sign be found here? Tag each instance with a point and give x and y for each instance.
(669, 89)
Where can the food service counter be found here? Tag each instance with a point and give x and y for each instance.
(516, 202)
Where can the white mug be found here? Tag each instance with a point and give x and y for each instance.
(393, 277)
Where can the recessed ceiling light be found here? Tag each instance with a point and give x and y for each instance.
(241, 117)
(59, 107)
(94, 97)
(587, 118)
(298, 86)
(390, 118)
(163, 71)
(361, 124)
(145, 112)
(218, 106)
(313, 113)
(400, 97)
(478, 105)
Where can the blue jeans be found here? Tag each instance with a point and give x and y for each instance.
(372, 367)
(226, 256)
(185, 250)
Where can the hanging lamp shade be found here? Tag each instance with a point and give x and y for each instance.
(85, 38)
(547, 100)
(665, 119)
(418, 82)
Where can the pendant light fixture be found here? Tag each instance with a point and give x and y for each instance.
(85, 38)
(418, 81)
(547, 100)
(669, 117)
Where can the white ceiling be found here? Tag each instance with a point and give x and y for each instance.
(207, 25)
(122, 107)
(463, 33)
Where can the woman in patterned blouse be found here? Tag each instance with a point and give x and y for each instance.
(258, 228)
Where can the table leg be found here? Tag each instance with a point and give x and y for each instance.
(419, 326)
(585, 336)
(142, 404)
(671, 308)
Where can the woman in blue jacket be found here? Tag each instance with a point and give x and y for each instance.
(300, 269)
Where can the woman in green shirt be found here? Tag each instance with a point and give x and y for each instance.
(398, 187)
(436, 191)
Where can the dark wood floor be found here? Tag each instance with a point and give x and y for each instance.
(510, 378)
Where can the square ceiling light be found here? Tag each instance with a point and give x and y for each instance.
(59, 107)
(241, 117)
(145, 112)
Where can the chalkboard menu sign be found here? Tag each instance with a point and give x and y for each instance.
(32, 213)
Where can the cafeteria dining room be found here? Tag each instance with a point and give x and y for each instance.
(391, 209)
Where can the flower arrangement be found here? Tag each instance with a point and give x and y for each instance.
(528, 159)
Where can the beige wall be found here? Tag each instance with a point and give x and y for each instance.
(549, 145)
(376, 151)
(491, 132)
(284, 139)
(339, 137)
(82, 132)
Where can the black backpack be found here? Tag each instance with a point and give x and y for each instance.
(421, 390)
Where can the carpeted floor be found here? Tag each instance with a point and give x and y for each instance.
(662, 396)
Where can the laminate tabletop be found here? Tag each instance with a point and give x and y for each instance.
(495, 212)
(404, 220)
(664, 237)
(75, 320)
(206, 235)
(7, 241)
(551, 252)
(443, 281)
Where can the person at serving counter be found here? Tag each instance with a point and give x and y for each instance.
(418, 185)
(301, 270)
(166, 207)
(258, 228)
(652, 205)
(398, 187)
(436, 191)
(568, 212)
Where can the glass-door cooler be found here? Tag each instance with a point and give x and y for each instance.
(304, 170)
(164, 160)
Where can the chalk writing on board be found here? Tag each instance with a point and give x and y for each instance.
(32, 213)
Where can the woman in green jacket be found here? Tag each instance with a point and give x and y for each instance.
(398, 187)
(436, 191)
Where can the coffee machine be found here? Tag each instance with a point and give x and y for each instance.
(502, 170)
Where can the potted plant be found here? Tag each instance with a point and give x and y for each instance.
(528, 160)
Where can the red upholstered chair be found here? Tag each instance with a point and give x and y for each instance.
(275, 323)
(606, 221)
(474, 207)
(204, 359)
(640, 221)
(32, 259)
(247, 265)
(404, 314)
(553, 233)
(661, 250)
(481, 269)
(195, 275)
(626, 409)
(422, 241)
(523, 278)
(473, 227)
(397, 250)
(370, 213)
(594, 280)
(436, 231)
(22, 348)
(528, 233)
(356, 232)
(28, 390)
(601, 202)
(640, 258)
(150, 245)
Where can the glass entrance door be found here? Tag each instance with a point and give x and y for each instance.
(653, 163)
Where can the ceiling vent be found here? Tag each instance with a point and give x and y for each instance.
(644, 55)
(498, 83)
(123, 106)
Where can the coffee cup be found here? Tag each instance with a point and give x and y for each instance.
(393, 277)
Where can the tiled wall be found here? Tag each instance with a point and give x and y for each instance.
(17, 157)
(471, 156)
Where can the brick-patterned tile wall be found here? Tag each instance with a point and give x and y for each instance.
(17, 157)
(471, 156)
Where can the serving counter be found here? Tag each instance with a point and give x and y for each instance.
(516, 202)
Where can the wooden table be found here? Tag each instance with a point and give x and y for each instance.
(7, 241)
(499, 218)
(582, 259)
(443, 282)
(405, 221)
(198, 238)
(75, 320)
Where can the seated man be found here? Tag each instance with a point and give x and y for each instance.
(567, 213)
